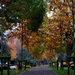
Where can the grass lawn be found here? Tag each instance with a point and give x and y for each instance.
(14, 72)
(62, 72)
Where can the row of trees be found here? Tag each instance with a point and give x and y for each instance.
(24, 17)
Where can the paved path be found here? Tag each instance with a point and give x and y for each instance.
(38, 71)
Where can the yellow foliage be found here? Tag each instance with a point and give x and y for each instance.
(70, 27)
(57, 2)
(64, 8)
(17, 31)
(7, 23)
(56, 23)
(48, 38)
(68, 12)
(13, 55)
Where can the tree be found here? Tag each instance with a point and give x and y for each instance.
(13, 48)
(57, 25)
(4, 49)
(37, 51)
(22, 10)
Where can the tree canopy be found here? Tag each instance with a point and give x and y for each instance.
(20, 10)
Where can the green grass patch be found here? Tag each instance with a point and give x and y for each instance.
(14, 72)
(62, 72)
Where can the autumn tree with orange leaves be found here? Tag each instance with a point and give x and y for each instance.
(58, 25)
(31, 41)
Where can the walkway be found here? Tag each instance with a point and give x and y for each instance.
(38, 71)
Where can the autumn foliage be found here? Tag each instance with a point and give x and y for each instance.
(51, 36)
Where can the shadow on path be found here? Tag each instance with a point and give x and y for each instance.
(38, 71)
